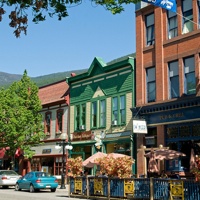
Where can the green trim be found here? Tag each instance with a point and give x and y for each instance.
(85, 142)
(98, 62)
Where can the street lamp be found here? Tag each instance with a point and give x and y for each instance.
(64, 145)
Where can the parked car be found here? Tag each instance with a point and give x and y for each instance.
(8, 178)
(34, 181)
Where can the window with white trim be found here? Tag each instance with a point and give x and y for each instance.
(187, 18)
(151, 84)
(47, 123)
(173, 79)
(150, 35)
(189, 71)
(59, 121)
(172, 24)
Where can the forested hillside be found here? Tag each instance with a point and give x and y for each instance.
(7, 79)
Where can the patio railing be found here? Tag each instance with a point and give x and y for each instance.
(134, 188)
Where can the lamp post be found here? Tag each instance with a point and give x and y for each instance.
(64, 145)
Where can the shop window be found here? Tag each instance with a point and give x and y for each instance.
(80, 117)
(151, 84)
(172, 24)
(123, 148)
(173, 79)
(150, 35)
(187, 18)
(185, 131)
(151, 138)
(47, 123)
(59, 120)
(35, 164)
(196, 130)
(189, 70)
(59, 166)
(118, 110)
(172, 132)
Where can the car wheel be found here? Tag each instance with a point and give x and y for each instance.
(53, 189)
(17, 187)
(31, 189)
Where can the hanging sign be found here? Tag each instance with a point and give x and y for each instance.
(139, 126)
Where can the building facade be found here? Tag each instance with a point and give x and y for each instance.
(167, 80)
(55, 103)
(100, 102)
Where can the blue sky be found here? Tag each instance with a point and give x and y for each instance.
(57, 46)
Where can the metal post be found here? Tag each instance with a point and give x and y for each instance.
(63, 167)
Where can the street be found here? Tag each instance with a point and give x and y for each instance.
(11, 194)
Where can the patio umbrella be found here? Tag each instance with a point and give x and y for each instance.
(193, 164)
(90, 162)
(152, 165)
(116, 155)
(167, 154)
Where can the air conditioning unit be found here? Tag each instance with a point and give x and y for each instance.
(114, 122)
(82, 127)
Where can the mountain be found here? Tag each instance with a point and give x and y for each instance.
(7, 79)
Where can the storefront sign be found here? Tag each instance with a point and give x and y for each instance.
(80, 136)
(181, 115)
(46, 151)
(139, 126)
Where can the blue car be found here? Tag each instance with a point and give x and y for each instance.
(34, 181)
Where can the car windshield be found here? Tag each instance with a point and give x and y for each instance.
(8, 172)
(42, 174)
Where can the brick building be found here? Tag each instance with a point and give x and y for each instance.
(167, 80)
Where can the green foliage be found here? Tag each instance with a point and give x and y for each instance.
(41, 8)
(20, 120)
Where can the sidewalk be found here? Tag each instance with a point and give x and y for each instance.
(65, 192)
(66, 189)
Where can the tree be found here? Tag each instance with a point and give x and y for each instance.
(20, 118)
(41, 8)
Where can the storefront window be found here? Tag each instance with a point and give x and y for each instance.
(182, 137)
(58, 166)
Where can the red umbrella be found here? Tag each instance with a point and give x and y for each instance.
(90, 162)
(152, 165)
